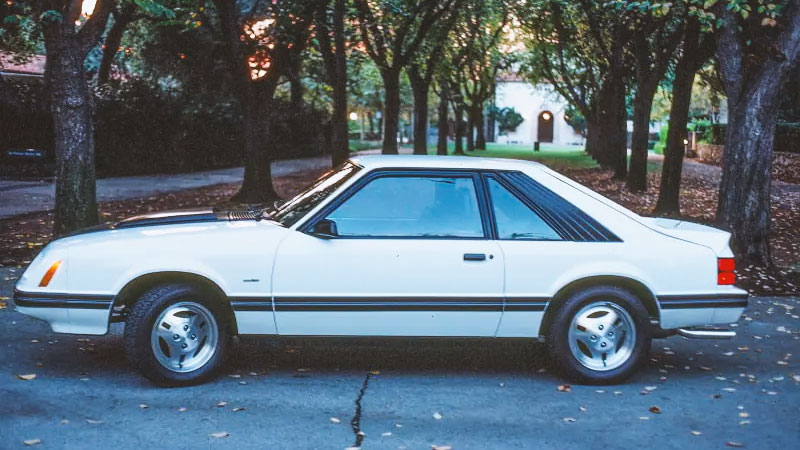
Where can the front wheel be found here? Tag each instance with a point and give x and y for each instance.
(175, 335)
(600, 335)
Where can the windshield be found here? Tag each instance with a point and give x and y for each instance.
(293, 210)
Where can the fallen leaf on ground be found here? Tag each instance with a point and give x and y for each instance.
(94, 422)
(374, 372)
(32, 442)
(221, 404)
(437, 416)
(182, 409)
(569, 419)
(27, 377)
(143, 406)
(388, 433)
(697, 433)
(240, 408)
(655, 410)
(220, 434)
(734, 444)
(335, 420)
(564, 388)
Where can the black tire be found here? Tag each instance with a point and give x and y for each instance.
(558, 340)
(139, 327)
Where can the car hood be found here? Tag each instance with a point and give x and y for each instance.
(713, 238)
(183, 216)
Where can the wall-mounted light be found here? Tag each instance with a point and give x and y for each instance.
(546, 116)
(685, 142)
(353, 115)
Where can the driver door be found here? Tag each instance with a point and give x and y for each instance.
(405, 253)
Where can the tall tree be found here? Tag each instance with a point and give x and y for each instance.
(330, 27)
(696, 48)
(124, 15)
(420, 74)
(485, 23)
(261, 42)
(67, 46)
(579, 47)
(758, 45)
(392, 31)
(659, 32)
(444, 128)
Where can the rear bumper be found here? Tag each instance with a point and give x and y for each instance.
(67, 313)
(686, 311)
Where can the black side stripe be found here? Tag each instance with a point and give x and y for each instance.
(389, 304)
(703, 301)
(62, 300)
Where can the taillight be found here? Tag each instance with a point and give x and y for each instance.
(725, 271)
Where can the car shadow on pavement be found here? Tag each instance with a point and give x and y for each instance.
(64, 356)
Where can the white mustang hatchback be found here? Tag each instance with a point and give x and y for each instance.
(395, 246)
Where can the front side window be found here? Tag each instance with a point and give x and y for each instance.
(411, 206)
(294, 209)
(515, 220)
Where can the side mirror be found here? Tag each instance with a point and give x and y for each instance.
(326, 229)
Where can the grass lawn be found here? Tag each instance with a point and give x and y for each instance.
(557, 157)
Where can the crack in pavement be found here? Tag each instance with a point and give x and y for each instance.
(355, 422)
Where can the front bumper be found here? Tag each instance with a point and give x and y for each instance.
(65, 312)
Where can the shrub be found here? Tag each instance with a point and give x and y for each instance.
(662, 140)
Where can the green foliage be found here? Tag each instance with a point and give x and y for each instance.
(508, 119)
(662, 140)
(702, 129)
(575, 119)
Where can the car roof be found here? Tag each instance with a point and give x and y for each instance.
(441, 162)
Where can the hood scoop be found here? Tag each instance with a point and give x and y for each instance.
(187, 216)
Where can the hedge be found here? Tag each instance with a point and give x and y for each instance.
(140, 130)
(787, 136)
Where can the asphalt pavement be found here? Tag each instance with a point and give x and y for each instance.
(403, 393)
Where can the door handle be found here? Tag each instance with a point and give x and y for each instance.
(474, 257)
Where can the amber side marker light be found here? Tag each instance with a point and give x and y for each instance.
(49, 274)
(725, 271)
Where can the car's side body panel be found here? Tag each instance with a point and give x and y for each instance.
(285, 281)
(429, 287)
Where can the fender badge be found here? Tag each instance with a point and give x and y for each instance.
(251, 280)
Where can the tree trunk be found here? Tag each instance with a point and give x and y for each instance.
(618, 142)
(592, 134)
(444, 93)
(122, 19)
(371, 120)
(257, 183)
(668, 203)
(643, 103)
(391, 110)
(420, 88)
(71, 107)
(458, 112)
(470, 130)
(744, 199)
(480, 138)
(340, 142)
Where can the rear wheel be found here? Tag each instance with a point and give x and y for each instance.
(600, 335)
(176, 335)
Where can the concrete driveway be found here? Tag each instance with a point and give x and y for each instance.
(403, 393)
(21, 197)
